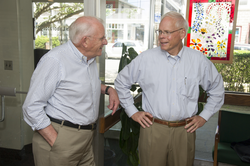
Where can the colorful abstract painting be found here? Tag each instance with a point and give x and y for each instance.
(211, 24)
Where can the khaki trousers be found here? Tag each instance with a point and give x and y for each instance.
(72, 147)
(161, 145)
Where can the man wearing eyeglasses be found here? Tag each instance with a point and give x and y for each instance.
(170, 76)
(62, 104)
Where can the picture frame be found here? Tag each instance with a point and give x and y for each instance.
(212, 28)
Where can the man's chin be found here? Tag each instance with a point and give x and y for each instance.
(164, 48)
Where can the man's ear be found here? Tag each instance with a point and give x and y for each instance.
(183, 33)
(84, 41)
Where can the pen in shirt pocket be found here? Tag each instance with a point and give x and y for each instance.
(185, 80)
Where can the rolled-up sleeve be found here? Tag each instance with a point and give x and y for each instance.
(128, 76)
(213, 84)
(42, 86)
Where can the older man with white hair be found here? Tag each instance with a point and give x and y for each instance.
(62, 104)
(170, 76)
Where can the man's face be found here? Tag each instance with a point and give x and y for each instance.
(96, 41)
(170, 42)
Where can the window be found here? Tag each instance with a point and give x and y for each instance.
(237, 34)
(249, 34)
(243, 2)
(114, 32)
(126, 22)
(52, 25)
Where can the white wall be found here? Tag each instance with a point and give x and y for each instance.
(16, 45)
(243, 20)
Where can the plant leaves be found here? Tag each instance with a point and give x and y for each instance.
(133, 159)
(124, 49)
(139, 90)
(134, 143)
(129, 134)
(123, 62)
(125, 147)
(135, 127)
(121, 140)
(120, 64)
(125, 126)
(132, 53)
(133, 88)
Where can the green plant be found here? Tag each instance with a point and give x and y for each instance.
(234, 75)
(55, 42)
(40, 42)
(202, 94)
(237, 74)
(129, 134)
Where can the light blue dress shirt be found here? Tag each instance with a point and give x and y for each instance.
(171, 84)
(65, 86)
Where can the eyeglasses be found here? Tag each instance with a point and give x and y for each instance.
(167, 33)
(101, 39)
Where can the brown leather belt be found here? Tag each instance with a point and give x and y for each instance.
(169, 123)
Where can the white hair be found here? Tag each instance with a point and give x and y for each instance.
(180, 21)
(82, 26)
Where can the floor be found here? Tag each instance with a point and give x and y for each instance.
(203, 153)
(17, 158)
(205, 137)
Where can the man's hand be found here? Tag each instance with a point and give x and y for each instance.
(49, 134)
(142, 119)
(195, 123)
(113, 100)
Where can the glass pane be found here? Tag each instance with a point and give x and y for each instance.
(162, 7)
(52, 21)
(236, 75)
(237, 31)
(128, 23)
(243, 2)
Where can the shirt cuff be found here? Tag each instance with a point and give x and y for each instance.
(206, 114)
(131, 110)
(41, 125)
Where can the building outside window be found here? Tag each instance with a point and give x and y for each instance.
(237, 34)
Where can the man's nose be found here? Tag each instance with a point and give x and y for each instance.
(105, 42)
(161, 36)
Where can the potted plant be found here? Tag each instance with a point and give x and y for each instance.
(129, 134)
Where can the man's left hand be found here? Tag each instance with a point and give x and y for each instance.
(113, 100)
(195, 123)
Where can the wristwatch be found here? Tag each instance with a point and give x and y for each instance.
(106, 90)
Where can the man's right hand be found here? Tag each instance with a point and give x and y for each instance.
(49, 134)
(142, 119)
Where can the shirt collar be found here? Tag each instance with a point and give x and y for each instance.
(78, 54)
(179, 55)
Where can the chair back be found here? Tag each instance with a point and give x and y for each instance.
(234, 126)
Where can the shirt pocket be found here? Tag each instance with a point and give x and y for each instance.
(189, 87)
